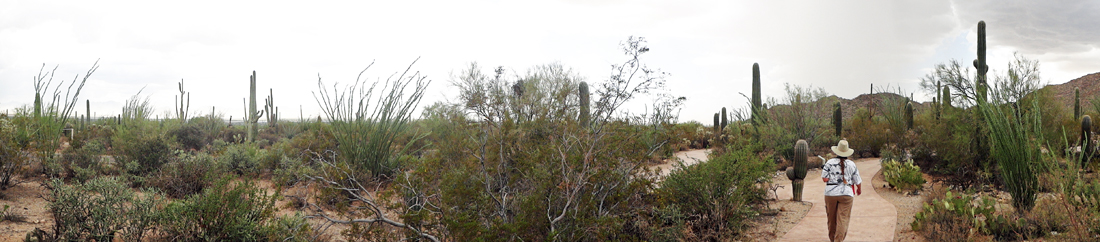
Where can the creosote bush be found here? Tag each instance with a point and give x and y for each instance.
(101, 209)
(228, 211)
(722, 194)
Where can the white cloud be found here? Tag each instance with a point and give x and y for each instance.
(708, 46)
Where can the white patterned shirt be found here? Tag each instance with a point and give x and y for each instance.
(831, 170)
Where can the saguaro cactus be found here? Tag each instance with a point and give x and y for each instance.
(725, 121)
(946, 100)
(181, 107)
(756, 102)
(1086, 140)
(908, 115)
(271, 109)
(717, 125)
(37, 105)
(1076, 103)
(584, 100)
(980, 63)
(252, 116)
(838, 121)
(88, 111)
(797, 172)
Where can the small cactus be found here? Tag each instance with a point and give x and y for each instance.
(1076, 103)
(1086, 139)
(797, 173)
(908, 115)
(838, 121)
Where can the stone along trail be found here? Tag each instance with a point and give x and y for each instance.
(873, 218)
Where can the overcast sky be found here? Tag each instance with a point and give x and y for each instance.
(707, 46)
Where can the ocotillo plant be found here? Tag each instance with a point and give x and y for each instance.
(908, 115)
(980, 63)
(1076, 103)
(837, 119)
(252, 116)
(271, 109)
(1086, 140)
(725, 121)
(183, 105)
(797, 172)
(584, 99)
(756, 102)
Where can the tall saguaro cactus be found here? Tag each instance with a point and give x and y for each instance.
(980, 63)
(725, 121)
(756, 102)
(797, 172)
(271, 109)
(717, 125)
(838, 121)
(946, 100)
(88, 111)
(181, 107)
(252, 116)
(585, 114)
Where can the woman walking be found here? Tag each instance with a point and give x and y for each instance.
(842, 183)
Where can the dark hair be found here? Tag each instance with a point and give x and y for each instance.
(843, 170)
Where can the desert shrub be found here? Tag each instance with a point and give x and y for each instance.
(187, 174)
(84, 163)
(228, 211)
(1014, 148)
(232, 134)
(952, 217)
(292, 170)
(142, 144)
(99, 210)
(243, 159)
(900, 172)
(718, 196)
(11, 155)
(190, 137)
(867, 133)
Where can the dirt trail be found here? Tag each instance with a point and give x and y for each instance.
(689, 157)
(873, 218)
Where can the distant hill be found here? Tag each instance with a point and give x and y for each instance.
(1090, 88)
(1063, 93)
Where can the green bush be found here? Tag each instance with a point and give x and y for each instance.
(101, 209)
(228, 211)
(142, 143)
(901, 173)
(190, 137)
(243, 158)
(953, 216)
(187, 174)
(11, 157)
(718, 196)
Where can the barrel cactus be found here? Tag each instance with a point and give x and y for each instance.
(797, 172)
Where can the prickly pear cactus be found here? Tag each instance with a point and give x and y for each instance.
(797, 172)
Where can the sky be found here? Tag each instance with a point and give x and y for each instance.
(707, 47)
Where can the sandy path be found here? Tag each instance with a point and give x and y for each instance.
(689, 157)
(873, 218)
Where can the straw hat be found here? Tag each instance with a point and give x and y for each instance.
(841, 149)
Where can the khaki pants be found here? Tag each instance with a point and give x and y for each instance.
(839, 211)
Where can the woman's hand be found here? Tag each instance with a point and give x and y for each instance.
(859, 189)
